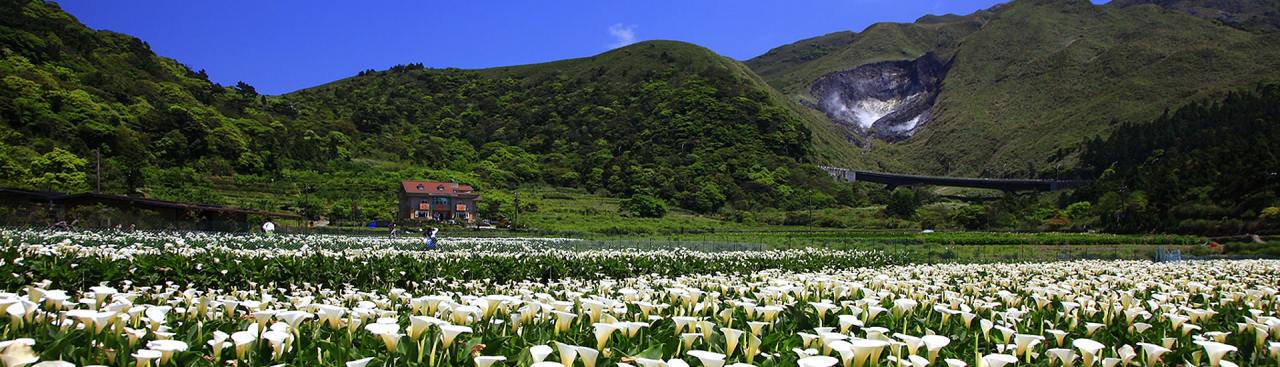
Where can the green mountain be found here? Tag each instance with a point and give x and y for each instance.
(1021, 86)
(664, 118)
(668, 117)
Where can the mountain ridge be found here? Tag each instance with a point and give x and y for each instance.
(1026, 110)
(515, 101)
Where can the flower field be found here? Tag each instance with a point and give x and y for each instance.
(164, 299)
(83, 259)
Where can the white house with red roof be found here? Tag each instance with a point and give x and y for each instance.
(437, 201)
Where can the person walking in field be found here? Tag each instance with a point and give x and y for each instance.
(268, 228)
(429, 238)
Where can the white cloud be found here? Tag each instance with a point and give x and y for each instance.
(623, 34)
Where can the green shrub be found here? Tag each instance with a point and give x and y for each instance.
(902, 203)
(1270, 214)
(970, 216)
(645, 206)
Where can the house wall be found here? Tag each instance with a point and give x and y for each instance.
(411, 207)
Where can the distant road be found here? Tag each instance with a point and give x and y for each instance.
(894, 180)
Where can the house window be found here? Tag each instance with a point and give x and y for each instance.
(460, 208)
(440, 188)
(421, 187)
(462, 215)
(441, 201)
(423, 205)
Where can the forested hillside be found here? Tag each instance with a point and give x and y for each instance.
(662, 118)
(1209, 167)
(666, 118)
(68, 90)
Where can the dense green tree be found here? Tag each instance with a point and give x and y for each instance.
(902, 203)
(644, 205)
(14, 165)
(971, 217)
(709, 198)
(1081, 213)
(59, 170)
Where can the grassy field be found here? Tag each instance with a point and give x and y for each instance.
(582, 214)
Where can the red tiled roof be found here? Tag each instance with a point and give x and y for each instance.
(437, 188)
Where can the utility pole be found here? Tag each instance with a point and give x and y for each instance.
(355, 210)
(97, 153)
(516, 218)
(306, 201)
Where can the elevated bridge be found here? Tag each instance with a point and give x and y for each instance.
(1003, 184)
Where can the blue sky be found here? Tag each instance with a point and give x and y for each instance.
(284, 45)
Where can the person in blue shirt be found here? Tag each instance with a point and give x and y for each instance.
(430, 238)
